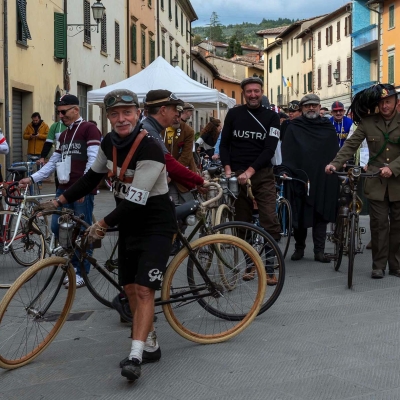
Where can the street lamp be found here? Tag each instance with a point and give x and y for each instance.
(98, 12)
(336, 76)
(175, 61)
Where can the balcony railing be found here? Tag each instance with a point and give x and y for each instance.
(282, 100)
(366, 38)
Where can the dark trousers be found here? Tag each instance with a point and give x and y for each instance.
(263, 188)
(385, 233)
(318, 234)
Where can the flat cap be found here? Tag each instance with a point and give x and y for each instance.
(188, 106)
(252, 79)
(161, 97)
(120, 97)
(67, 100)
(310, 99)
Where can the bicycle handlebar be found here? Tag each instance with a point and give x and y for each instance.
(217, 197)
(9, 195)
(23, 163)
(361, 174)
(289, 178)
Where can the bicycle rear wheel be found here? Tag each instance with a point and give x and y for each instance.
(338, 248)
(284, 213)
(42, 221)
(34, 310)
(267, 249)
(207, 319)
(224, 214)
(102, 280)
(352, 250)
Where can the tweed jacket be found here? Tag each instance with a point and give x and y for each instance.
(373, 128)
(181, 148)
(35, 144)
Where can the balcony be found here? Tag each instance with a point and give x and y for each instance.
(366, 38)
(281, 100)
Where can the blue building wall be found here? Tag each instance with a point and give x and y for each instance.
(361, 59)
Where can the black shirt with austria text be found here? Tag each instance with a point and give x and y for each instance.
(244, 142)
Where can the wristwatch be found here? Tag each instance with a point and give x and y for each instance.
(59, 202)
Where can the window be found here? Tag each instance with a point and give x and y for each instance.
(86, 22)
(134, 43)
(183, 62)
(328, 35)
(170, 53)
(181, 22)
(222, 91)
(291, 84)
(319, 78)
(117, 42)
(297, 83)
(187, 31)
(60, 35)
(143, 62)
(297, 46)
(291, 46)
(270, 64)
(163, 46)
(348, 68)
(279, 93)
(338, 31)
(149, 3)
(310, 48)
(23, 33)
(104, 33)
(309, 82)
(347, 26)
(82, 91)
(329, 75)
(338, 69)
(319, 41)
(170, 9)
(233, 95)
(176, 16)
(391, 69)
(305, 83)
(152, 47)
(162, 4)
(304, 52)
(278, 61)
(391, 16)
(272, 97)
(287, 50)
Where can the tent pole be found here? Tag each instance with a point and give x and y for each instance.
(218, 116)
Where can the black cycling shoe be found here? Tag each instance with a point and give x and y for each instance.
(132, 370)
(147, 357)
(121, 305)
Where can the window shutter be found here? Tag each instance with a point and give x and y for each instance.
(338, 31)
(144, 49)
(345, 25)
(153, 51)
(117, 42)
(329, 75)
(86, 22)
(349, 68)
(60, 35)
(270, 64)
(309, 76)
(350, 25)
(305, 83)
(338, 68)
(326, 35)
(391, 69)
(21, 5)
(319, 40)
(134, 43)
(104, 33)
(319, 78)
(331, 34)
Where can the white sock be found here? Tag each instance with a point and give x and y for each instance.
(151, 344)
(136, 350)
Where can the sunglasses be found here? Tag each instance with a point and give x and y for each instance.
(63, 112)
(338, 111)
(125, 98)
(172, 96)
(293, 107)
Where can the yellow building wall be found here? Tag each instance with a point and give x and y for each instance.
(391, 41)
(33, 70)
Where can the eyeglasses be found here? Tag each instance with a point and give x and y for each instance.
(125, 98)
(63, 112)
(310, 105)
(293, 107)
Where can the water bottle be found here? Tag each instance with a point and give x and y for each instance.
(224, 183)
(233, 185)
(65, 232)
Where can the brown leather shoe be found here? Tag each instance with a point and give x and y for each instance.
(321, 257)
(249, 274)
(395, 272)
(369, 245)
(377, 273)
(271, 280)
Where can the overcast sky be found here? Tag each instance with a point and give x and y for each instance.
(238, 11)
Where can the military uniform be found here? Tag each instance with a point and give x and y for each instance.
(383, 138)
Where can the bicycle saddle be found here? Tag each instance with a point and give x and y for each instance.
(34, 158)
(187, 209)
(214, 170)
(17, 169)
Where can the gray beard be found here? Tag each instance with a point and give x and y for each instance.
(311, 116)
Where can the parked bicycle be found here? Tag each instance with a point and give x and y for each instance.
(194, 297)
(347, 232)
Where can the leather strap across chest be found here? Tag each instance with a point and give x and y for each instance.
(387, 140)
(128, 158)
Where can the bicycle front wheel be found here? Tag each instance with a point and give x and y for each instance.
(267, 249)
(352, 250)
(201, 312)
(34, 310)
(284, 213)
(338, 237)
(224, 214)
(102, 279)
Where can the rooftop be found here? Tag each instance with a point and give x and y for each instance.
(272, 31)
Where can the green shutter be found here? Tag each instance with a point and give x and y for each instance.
(309, 76)
(391, 69)
(152, 50)
(60, 35)
(21, 6)
(134, 43)
(270, 65)
(391, 16)
(278, 61)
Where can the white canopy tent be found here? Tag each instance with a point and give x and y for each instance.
(161, 75)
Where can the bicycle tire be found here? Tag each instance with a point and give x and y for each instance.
(210, 324)
(267, 249)
(102, 280)
(42, 222)
(223, 214)
(338, 246)
(352, 251)
(284, 213)
(24, 331)
(26, 249)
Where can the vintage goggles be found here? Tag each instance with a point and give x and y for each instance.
(125, 98)
(293, 107)
(172, 96)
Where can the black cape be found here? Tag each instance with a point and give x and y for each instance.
(310, 145)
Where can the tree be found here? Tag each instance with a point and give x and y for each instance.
(234, 47)
(216, 33)
(239, 33)
(197, 39)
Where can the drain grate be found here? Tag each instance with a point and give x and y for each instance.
(75, 316)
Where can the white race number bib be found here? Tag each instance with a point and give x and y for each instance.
(138, 196)
(275, 132)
